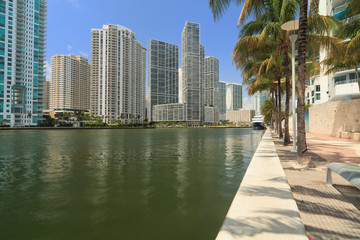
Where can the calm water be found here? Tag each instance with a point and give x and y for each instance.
(120, 184)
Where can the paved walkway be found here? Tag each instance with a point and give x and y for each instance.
(334, 149)
(328, 212)
(263, 207)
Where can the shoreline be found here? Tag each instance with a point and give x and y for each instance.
(98, 128)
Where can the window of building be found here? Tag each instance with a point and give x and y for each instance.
(312, 93)
(318, 88)
(340, 80)
(318, 96)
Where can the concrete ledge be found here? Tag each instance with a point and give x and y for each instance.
(263, 207)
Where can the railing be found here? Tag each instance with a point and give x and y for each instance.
(341, 8)
(345, 81)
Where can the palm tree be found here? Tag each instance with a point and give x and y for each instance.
(29, 117)
(267, 109)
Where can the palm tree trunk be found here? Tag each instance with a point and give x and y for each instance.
(272, 112)
(279, 105)
(357, 76)
(287, 100)
(276, 112)
(303, 158)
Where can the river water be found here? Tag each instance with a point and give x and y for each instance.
(149, 184)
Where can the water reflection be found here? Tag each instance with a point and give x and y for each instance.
(138, 184)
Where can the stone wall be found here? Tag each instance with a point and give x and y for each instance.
(336, 118)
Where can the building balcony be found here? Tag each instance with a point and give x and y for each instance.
(345, 86)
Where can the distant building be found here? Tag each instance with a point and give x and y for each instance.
(46, 95)
(259, 99)
(22, 57)
(70, 83)
(168, 112)
(192, 70)
(118, 74)
(241, 115)
(233, 96)
(211, 88)
(222, 100)
(163, 73)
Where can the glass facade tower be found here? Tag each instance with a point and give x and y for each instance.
(192, 57)
(163, 74)
(22, 56)
(211, 85)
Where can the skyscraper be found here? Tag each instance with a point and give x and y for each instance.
(163, 74)
(230, 96)
(192, 55)
(233, 96)
(259, 99)
(211, 87)
(117, 89)
(70, 83)
(22, 49)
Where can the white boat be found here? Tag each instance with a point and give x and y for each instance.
(258, 122)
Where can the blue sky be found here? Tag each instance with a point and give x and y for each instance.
(70, 22)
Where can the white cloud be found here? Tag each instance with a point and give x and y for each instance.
(69, 47)
(84, 54)
(47, 70)
(247, 103)
(75, 3)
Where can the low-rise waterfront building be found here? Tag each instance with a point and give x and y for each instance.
(172, 112)
(240, 115)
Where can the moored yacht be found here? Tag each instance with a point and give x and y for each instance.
(258, 122)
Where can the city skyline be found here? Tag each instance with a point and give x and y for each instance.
(73, 37)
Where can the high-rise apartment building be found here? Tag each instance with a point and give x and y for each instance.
(163, 74)
(118, 74)
(192, 57)
(22, 53)
(211, 87)
(341, 85)
(70, 83)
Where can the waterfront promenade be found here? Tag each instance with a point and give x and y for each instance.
(327, 212)
(264, 206)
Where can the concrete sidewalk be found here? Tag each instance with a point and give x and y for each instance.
(263, 207)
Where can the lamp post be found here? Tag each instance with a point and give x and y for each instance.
(292, 26)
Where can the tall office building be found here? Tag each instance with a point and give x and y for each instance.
(192, 54)
(22, 49)
(118, 74)
(210, 86)
(70, 83)
(163, 74)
